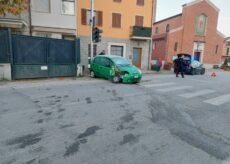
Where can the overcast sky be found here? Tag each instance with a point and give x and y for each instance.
(167, 8)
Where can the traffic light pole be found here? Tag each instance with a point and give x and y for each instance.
(91, 29)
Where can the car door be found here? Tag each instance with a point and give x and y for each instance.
(96, 65)
(106, 67)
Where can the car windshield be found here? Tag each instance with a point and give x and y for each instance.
(122, 62)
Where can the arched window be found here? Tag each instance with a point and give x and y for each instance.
(227, 52)
(156, 30)
(167, 28)
(201, 23)
(175, 46)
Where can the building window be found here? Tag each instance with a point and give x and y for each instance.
(68, 7)
(167, 28)
(217, 47)
(156, 30)
(201, 22)
(116, 0)
(140, 2)
(116, 20)
(139, 21)
(42, 6)
(227, 52)
(175, 46)
(116, 50)
(86, 17)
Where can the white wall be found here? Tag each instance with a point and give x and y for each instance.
(5, 72)
(53, 19)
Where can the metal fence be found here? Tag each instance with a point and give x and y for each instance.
(4, 47)
(37, 57)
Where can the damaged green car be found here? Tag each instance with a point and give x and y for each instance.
(115, 68)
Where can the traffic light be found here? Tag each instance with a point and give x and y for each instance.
(96, 35)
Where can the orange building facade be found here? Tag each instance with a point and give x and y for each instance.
(126, 25)
(194, 31)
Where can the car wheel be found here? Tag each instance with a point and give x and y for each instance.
(116, 79)
(203, 71)
(92, 74)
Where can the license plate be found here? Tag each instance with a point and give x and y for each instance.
(136, 76)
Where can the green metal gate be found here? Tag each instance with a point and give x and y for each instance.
(37, 57)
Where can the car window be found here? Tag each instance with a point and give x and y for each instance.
(122, 62)
(97, 61)
(106, 62)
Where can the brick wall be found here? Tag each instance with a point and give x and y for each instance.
(183, 31)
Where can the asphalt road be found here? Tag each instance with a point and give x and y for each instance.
(162, 120)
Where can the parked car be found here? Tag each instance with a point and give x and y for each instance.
(115, 68)
(192, 67)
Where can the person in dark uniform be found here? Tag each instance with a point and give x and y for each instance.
(179, 65)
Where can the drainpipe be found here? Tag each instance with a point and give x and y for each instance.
(30, 21)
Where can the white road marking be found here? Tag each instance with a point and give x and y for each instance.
(198, 93)
(219, 100)
(158, 85)
(174, 88)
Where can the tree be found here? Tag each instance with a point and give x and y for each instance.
(14, 7)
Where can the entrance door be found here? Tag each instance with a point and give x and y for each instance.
(197, 56)
(137, 57)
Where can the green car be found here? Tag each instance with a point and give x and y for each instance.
(115, 68)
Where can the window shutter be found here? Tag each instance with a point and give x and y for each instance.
(83, 17)
(99, 18)
(139, 21)
(113, 20)
(116, 20)
(140, 2)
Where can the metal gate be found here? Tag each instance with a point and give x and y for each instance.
(4, 47)
(37, 57)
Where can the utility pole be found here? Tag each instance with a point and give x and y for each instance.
(91, 29)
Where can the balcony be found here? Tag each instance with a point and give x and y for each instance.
(140, 33)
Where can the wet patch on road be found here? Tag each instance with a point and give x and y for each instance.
(66, 126)
(182, 128)
(26, 140)
(89, 131)
(40, 121)
(115, 96)
(88, 100)
(61, 110)
(72, 149)
(127, 117)
(130, 138)
(81, 139)
(48, 113)
(4, 111)
(40, 111)
(127, 121)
